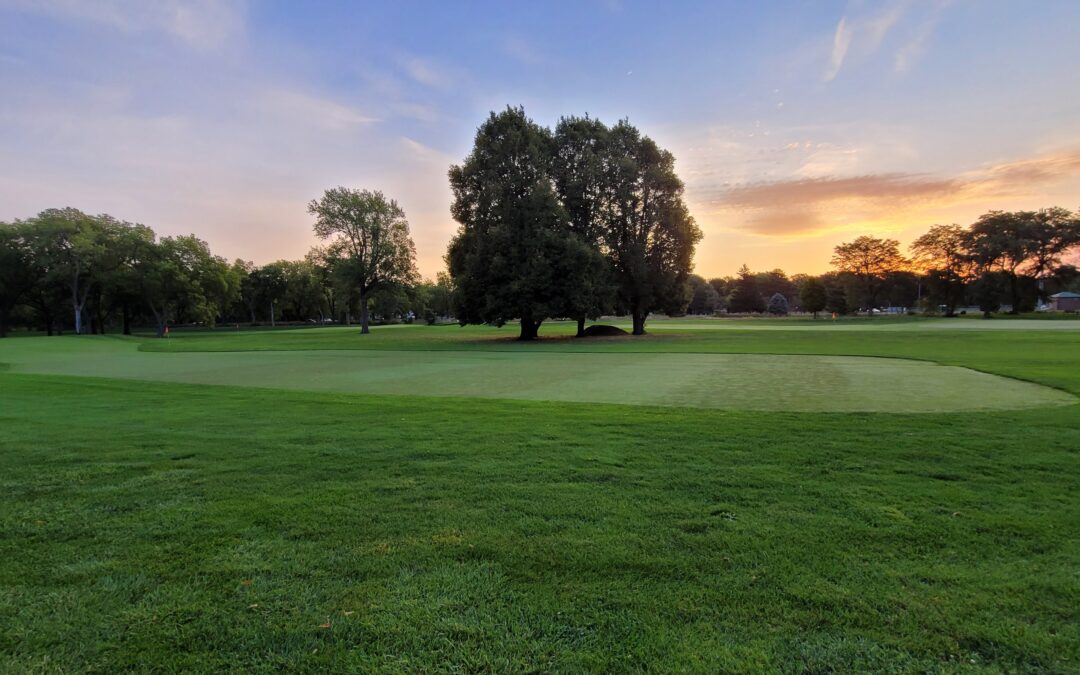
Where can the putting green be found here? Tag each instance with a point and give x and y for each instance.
(724, 381)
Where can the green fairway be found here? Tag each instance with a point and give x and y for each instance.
(730, 381)
(767, 496)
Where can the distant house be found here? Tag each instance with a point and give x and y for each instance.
(1065, 301)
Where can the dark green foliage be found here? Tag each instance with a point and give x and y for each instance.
(836, 298)
(944, 256)
(515, 256)
(651, 237)
(987, 291)
(872, 261)
(369, 247)
(775, 281)
(746, 297)
(17, 273)
(703, 299)
(582, 154)
(813, 296)
(778, 305)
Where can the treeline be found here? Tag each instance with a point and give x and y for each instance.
(576, 222)
(1003, 258)
(66, 270)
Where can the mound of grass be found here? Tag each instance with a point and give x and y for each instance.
(603, 330)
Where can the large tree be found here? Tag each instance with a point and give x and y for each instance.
(368, 239)
(870, 260)
(74, 254)
(581, 157)
(515, 255)
(649, 234)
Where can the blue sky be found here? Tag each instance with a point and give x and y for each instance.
(796, 125)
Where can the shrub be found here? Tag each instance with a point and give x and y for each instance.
(778, 305)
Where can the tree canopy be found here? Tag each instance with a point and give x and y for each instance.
(871, 260)
(368, 239)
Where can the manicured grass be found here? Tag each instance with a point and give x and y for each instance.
(729, 381)
(214, 528)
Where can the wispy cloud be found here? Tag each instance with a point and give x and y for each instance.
(520, 49)
(912, 50)
(314, 110)
(841, 44)
(862, 35)
(427, 72)
(202, 24)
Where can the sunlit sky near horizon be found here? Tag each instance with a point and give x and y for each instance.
(795, 125)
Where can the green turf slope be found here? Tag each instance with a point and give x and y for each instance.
(729, 381)
(157, 525)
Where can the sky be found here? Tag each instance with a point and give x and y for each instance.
(795, 125)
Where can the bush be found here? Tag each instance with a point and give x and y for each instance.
(778, 305)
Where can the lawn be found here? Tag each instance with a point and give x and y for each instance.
(150, 521)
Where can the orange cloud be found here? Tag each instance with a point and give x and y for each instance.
(806, 207)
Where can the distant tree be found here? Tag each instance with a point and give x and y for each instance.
(269, 284)
(870, 260)
(778, 305)
(17, 273)
(836, 297)
(303, 299)
(1053, 233)
(179, 276)
(813, 295)
(723, 287)
(1004, 241)
(901, 289)
(77, 247)
(942, 255)
(322, 268)
(248, 298)
(369, 239)
(988, 292)
(704, 299)
(747, 295)
(773, 282)
(514, 255)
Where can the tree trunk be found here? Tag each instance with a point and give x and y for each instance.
(639, 323)
(364, 330)
(252, 310)
(272, 314)
(529, 329)
(3, 323)
(1014, 293)
(581, 327)
(78, 320)
(126, 313)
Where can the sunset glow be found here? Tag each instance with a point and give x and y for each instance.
(794, 126)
